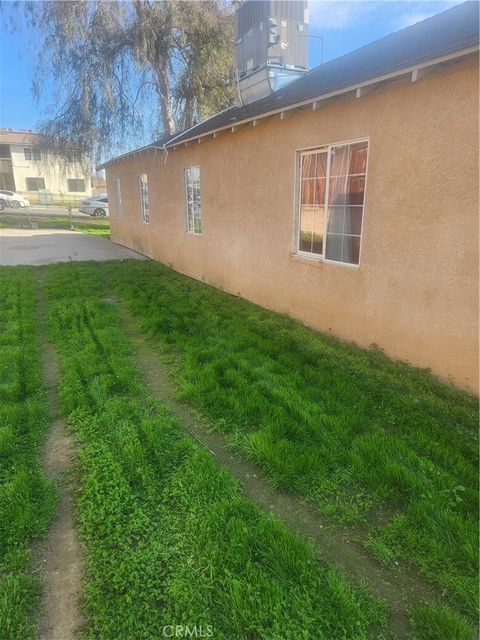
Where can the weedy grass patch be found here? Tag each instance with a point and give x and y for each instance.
(94, 227)
(432, 622)
(370, 440)
(21, 220)
(27, 497)
(169, 539)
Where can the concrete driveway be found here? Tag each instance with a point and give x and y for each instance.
(43, 246)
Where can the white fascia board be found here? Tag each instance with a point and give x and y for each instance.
(128, 155)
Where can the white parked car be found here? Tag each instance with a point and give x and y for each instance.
(95, 206)
(12, 199)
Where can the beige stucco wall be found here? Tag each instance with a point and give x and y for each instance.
(415, 291)
(53, 170)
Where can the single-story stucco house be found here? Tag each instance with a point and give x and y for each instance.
(347, 199)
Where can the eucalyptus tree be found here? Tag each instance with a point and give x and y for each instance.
(132, 69)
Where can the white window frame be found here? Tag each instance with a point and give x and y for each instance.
(191, 228)
(144, 202)
(118, 196)
(317, 257)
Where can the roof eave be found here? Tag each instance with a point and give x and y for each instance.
(354, 88)
(147, 147)
(359, 89)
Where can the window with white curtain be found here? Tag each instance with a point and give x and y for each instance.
(118, 196)
(144, 203)
(331, 195)
(192, 200)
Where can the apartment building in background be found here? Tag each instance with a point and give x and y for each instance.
(27, 169)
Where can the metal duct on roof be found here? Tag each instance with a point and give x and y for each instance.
(271, 41)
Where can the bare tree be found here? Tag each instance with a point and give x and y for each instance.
(119, 71)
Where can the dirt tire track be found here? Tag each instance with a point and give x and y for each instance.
(402, 589)
(59, 556)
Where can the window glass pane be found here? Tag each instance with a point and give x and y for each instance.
(318, 228)
(118, 197)
(339, 160)
(313, 177)
(334, 247)
(192, 200)
(320, 188)
(76, 184)
(358, 159)
(312, 222)
(321, 168)
(338, 190)
(308, 192)
(347, 190)
(34, 184)
(351, 249)
(308, 165)
(355, 190)
(306, 228)
(336, 216)
(144, 204)
(353, 220)
(343, 248)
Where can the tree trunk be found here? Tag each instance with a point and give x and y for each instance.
(163, 90)
(189, 112)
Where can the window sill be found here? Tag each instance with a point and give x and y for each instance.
(319, 261)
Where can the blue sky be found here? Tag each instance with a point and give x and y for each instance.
(344, 26)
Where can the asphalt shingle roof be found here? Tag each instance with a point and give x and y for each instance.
(447, 32)
(451, 31)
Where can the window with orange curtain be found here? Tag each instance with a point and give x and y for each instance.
(331, 200)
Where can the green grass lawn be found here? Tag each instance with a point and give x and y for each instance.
(169, 539)
(95, 226)
(369, 440)
(379, 447)
(26, 496)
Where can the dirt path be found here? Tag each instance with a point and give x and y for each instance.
(402, 589)
(59, 556)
